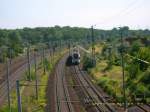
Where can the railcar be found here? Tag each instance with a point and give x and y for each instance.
(75, 58)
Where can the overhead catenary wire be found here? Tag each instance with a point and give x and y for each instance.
(130, 8)
(141, 60)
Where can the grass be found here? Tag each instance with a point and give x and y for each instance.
(110, 80)
(5, 108)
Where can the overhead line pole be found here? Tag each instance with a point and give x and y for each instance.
(123, 74)
(43, 54)
(8, 84)
(18, 96)
(36, 80)
(93, 47)
(28, 56)
(52, 52)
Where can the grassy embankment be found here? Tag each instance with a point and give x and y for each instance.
(108, 74)
(109, 79)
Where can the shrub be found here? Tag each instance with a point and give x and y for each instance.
(47, 64)
(146, 77)
(31, 76)
(87, 63)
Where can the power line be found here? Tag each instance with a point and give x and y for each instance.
(132, 6)
(133, 57)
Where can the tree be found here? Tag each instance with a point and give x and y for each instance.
(135, 48)
(15, 42)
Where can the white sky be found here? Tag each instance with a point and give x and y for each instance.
(105, 13)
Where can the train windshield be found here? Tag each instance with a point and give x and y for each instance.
(76, 56)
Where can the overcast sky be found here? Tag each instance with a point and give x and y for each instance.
(106, 14)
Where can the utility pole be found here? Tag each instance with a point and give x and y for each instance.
(59, 47)
(43, 52)
(87, 39)
(8, 83)
(109, 53)
(93, 47)
(18, 96)
(10, 55)
(41, 57)
(28, 57)
(123, 74)
(49, 49)
(69, 45)
(52, 53)
(36, 80)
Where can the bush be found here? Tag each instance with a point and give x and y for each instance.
(146, 77)
(87, 63)
(47, 64)
(31, 76)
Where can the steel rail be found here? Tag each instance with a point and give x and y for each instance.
(99, 108)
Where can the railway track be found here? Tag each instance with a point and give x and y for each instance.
(93, 100)
(62, 98)
(89, 95)
(96, 97)
(16, 74)
(144, 107)
(139, 108)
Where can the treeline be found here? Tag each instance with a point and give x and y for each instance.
(19, 38)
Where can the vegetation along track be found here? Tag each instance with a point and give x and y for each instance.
(93, 100)
(62, 98)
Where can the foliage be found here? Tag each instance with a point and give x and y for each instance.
(31, 76)
(146, 77)
(47, 64)
(87, 62)
(144, 54)
(135, 48)
(137, 71)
